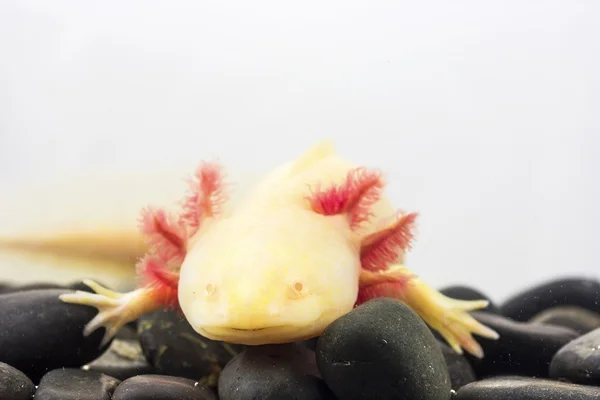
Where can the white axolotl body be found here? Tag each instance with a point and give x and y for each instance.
(270, 244)
(307, 244)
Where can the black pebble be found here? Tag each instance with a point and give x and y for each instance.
(382, 350)
(173, 348)
(460, 292)
(311, 343)
(14, 385)
(271, 372)
(523, 388)
(579, 360)
(577, 318)
(578, 292)
(12, 288)
(39, 332)
(162, 387)
(124, 358)
(74, 383)
(32, 286)
(459, 368)
(79, 285)
(522, 349)
(5, 288)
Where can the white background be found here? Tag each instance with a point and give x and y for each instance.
(485, 115)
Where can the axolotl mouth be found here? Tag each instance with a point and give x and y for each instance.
(265, 335)
(257, 322)
(250, 330)
(258, 336)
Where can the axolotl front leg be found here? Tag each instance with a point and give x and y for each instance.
(446, 315)
(382, 276)
(158, 271)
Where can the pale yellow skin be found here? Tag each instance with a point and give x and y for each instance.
(271, 270)
(271, 241)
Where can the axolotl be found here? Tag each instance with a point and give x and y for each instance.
(315, 238)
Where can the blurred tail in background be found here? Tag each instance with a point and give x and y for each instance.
(85, 226)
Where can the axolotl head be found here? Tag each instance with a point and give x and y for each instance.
(261, 279)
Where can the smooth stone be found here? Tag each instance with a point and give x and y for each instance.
(124, 358)
(11, 288)
(577, 318)
(162, 387)
(270, 372)
(79, 285)
(5, 288)
(74, 383)
(461, 292)
(173, 348)
(523, 388)
(523, 348)
(382, 350)
(311, 343)
(579, 360)
(39, 332)
(578, 292)
(14, 384)
(33, 286)
(459, 368)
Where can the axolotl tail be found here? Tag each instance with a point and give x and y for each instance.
(94, 215)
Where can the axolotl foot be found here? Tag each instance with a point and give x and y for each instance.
(114, 309)
(451, 319)
(448, 316)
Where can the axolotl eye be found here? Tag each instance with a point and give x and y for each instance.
(296, 290)
(210, 290)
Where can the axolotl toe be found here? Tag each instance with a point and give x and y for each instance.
(314, 239)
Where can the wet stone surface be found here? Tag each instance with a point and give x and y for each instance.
(14, 384)
(460, 370)
(273, 372)
(522, 349)
(38, 332)
(577, 318)
(382, 344)
(381, 350)
(311, 343)
(579, 360)
(12, 288)
(162, 387)
(523, 388)
(580, 292)
(124, 358)
(172, 347)
(74, 383)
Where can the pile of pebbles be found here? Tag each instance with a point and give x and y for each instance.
(549, 349)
